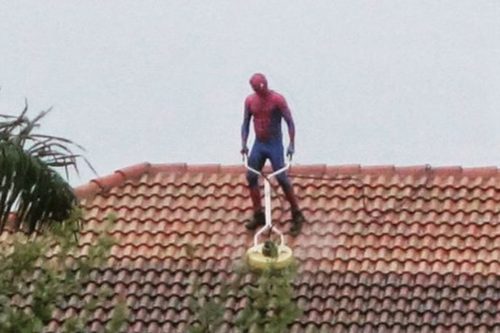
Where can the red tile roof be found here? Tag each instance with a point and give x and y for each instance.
(385, 249)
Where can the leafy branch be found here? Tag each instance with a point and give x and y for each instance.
(270, 305)
(41, 273)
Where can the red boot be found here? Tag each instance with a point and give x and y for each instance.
(297, 221)
(258, 219)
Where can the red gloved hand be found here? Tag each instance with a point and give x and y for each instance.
(290, 151)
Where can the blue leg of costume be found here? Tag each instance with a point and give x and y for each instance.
(274, 151)
(277, 161)
(256, 161)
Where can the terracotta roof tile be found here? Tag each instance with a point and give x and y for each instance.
(385, 249)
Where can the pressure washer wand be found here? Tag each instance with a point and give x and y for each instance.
(267, 199)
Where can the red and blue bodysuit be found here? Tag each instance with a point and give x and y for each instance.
(267, 108)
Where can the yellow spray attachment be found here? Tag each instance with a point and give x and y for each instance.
(268, 254)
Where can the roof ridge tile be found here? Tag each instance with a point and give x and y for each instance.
(134, 171)
(86, 190)
(447, 171)
(102, 184)
(105, 183)
(489, 171)
(233, 169)
(378, 169)
(347, 169)
(412, 169)
(169, 167)
(312, 169)
(109, 181)
(204, 168)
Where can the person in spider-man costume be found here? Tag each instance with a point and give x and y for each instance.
(268, 108)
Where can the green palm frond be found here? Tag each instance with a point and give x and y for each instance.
(30, 186)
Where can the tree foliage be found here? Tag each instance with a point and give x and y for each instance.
(41, 273)
(270, 305)
(206, 308)
(30, 185)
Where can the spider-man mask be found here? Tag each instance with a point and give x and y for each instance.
(259, 84)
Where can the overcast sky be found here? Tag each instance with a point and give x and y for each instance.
(369, 82)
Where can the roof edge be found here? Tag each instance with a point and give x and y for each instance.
(105, 183)
(120, 176)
